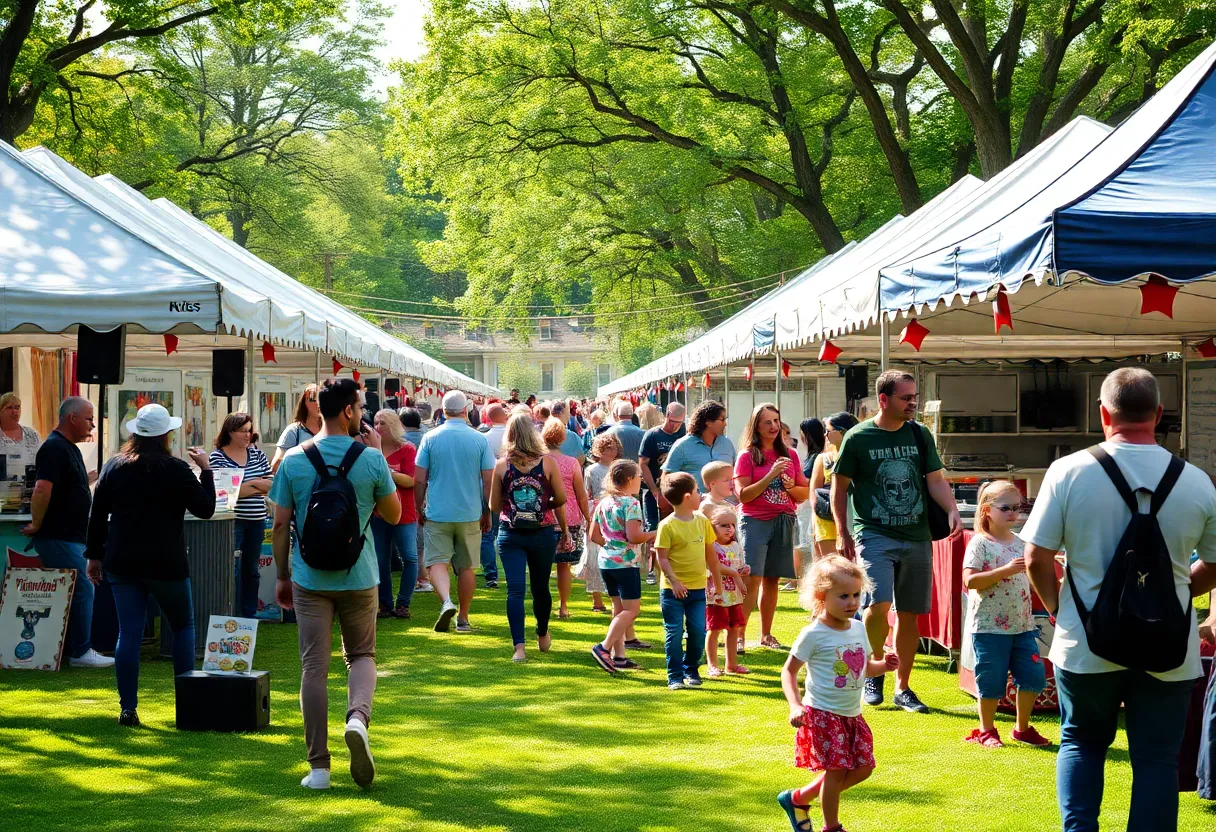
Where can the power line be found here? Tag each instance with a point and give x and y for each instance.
(778, 276)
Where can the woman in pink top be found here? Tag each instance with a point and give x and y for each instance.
(770, 484)
(577, 514)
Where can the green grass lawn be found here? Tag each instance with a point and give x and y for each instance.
(464, 739)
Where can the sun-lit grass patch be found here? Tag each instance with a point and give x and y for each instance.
(467, 740)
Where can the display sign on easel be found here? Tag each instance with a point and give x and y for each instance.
(34, 605)
(230, 644)
(272, 417)
(198, 410)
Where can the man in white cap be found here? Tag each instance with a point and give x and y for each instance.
(453, 468)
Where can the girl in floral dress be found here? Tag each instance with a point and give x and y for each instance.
(999, 617)
(833, 736)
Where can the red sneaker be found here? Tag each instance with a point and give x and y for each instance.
(988, 739)
(1031, 737)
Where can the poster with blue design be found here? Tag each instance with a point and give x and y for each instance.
(34, 607)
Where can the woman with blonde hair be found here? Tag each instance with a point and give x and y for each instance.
(527, 492)
(19, 443)
(577, 512)
(304, 426)
(649, 416)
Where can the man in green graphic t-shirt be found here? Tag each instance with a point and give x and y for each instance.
(880, 459)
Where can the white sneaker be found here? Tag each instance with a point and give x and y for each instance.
(425, 586)
(446, 613)
(362, 766)
(92, 659)
(318, 778)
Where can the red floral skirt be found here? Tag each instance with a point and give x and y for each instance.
(830, 742)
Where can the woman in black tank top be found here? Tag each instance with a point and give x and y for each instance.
(527, 492)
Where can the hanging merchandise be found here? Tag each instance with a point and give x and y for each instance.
(1000, 311)
(747, 373)
(170, 344)
(785, 368)
(1157, 296)
(1207, 349)
(829, 352)
(268, 353)
(671, 386)
(914, 334)
(706, 381)
(680, 387)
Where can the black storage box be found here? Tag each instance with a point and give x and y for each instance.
(219, 702)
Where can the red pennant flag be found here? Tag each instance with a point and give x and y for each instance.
(170, 344)
(1000, 311)
(337, 366)
(829, 352)
(1157, 296)
(355, 374)
(785, 368)
(747, 373)
(1207, 349)
(268, 353)
(914, 334)
(417, 388)
(706, 381)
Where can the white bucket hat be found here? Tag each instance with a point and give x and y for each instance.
(153, 420)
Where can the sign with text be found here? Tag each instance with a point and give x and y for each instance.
(227, 487)
(230, 644)
(34, 606)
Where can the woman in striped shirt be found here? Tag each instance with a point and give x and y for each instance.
(235, 448)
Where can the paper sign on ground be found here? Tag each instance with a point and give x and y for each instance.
(34, 606)
(230, 644)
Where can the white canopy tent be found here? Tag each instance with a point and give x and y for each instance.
(100, 254)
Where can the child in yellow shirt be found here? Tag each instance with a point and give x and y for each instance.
(685, 547)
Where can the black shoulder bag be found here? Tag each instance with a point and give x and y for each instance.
(939, 519)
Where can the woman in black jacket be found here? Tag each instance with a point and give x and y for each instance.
(137, 532)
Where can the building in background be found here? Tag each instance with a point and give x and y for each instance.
(542, 362)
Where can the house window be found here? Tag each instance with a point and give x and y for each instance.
(546, 377)
(465, 367)
(603, 374)
(428, 330)
(546, 334)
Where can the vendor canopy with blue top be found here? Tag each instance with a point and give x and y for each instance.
(1142, 202)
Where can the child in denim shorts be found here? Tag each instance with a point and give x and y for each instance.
(999, 617)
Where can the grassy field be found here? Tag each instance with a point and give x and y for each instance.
(466, 740)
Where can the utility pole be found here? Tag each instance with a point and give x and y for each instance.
(329, 272)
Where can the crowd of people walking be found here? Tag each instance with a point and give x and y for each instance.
(619, 498)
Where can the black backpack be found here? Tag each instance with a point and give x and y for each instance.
(332, 538)
(1137, 620)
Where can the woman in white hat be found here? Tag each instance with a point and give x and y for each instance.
(136, 531)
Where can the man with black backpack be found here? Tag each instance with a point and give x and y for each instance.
(1125, 629)
(327, 488)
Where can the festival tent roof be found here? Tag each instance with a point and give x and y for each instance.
(246, 298)
(65, 263)
(1143, 201)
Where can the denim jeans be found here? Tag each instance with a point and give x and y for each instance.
(249, 537)
(60, 554)
(534, 551)
(489, 551)
(131, 604)
(404, 537)
(1155, 714)
(680, 614)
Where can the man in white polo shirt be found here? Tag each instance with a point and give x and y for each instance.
(1079, 510)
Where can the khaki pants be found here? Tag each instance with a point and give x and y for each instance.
(356, 613)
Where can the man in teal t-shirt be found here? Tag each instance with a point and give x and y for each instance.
(319, 595)
(879, 474)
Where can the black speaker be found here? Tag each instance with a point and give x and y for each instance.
(101, 356)
(214, 702)
(372, 400)
(856, 381)
(228, 372)
(392, 386)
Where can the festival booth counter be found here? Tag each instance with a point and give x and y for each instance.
(81, 252)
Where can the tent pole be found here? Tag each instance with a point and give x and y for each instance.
(753, 387)
(101, 426)
(726, 385)
(251, 402)
(316, 376)
(1185, 390)
(884, 354)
